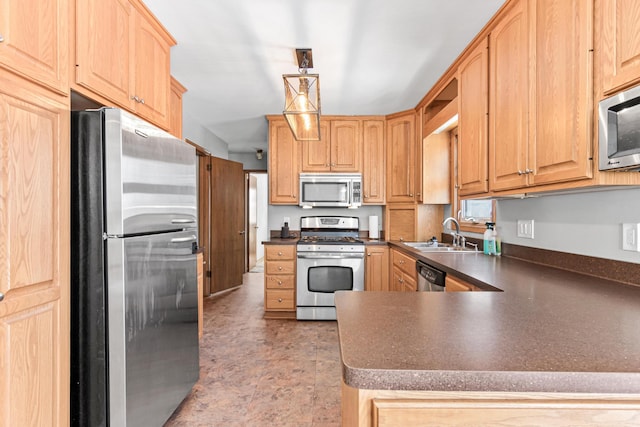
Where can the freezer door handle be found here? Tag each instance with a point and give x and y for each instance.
(182, 221)
(184, 239)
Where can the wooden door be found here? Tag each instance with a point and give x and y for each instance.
(252, 226)
(204, 216)
(373, 164)
(34, 255)
(107, 27)
(152, 75)
(376, 276)
(316, 155)
(227, 224)
(619, 44)
(473, 84)
(509, 99)
(346, 143)
(560, 138)
(283, 164)
(400, 222)
(401, 158)
(35, 41)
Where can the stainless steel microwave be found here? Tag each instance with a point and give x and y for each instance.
(330, 190)
(619, 131)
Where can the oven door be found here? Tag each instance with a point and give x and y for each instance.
(321, 274)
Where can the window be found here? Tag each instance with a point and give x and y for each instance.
(476, 211)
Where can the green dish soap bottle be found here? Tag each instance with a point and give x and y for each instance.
(489, 241)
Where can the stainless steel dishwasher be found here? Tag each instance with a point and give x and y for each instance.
(430, 279)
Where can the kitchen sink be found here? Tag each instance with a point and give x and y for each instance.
(430, 246)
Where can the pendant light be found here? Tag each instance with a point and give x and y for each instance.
(302, 99)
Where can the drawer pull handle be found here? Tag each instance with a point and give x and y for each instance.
(279, 282)
(280, 268)
(279, 253)
(279, 299)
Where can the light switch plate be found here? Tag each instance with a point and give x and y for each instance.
(525, 228)
(630, 234)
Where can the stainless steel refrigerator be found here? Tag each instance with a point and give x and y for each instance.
(134, 333)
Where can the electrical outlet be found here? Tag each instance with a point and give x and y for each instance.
(525, 228)
(630, 234)
(287, 220)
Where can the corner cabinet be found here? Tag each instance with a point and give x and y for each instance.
(35, 41)
(280, 281)
(376, 274)
(619, 44)
(373, 162)
(283, 164)
(473, 82)
(133, 69)
(401, 158)
(34, 254)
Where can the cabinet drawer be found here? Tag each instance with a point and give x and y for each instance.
(280, 267)
(404, 263)
(276, 299)
(280, 282)
(278, 252)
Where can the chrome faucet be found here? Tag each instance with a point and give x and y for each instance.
(458, 240)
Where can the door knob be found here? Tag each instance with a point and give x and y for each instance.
(241, 232)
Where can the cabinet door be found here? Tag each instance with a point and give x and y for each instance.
(35, 40)
(509, 99)
(175, 108)
(472, 124)
(453, 284)
(346, 143)
(107, 28)
(373, 153)
(376, 276)
(560, 138)
(436, 178)
(409, 283)
(400, 222)
(152, 75)
(619, 44)
(316, 155)
(283, 165)
(397, 279)
(34, 256)
(401, 158)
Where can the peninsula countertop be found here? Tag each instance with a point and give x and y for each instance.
(549, 330)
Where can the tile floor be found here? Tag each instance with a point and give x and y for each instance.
(257, 372)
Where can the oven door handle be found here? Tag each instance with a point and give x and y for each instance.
(330, 256)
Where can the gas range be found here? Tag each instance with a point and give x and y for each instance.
(329, 234)
(330, 240)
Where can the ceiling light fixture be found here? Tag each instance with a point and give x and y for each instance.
(302, 99)
(259, 153)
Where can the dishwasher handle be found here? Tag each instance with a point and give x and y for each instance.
(430, 274)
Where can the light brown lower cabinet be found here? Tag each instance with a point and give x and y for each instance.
(454, 284)
(404, 277)
(279, 281)
(376, 275)
(387, 408)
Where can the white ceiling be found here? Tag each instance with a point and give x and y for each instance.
(373, 56)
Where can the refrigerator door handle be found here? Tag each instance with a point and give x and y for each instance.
(182, 221)
(191, 238)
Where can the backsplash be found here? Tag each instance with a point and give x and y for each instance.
(278, 212)
(587, 223)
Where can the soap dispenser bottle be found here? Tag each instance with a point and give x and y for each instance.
(489, 240)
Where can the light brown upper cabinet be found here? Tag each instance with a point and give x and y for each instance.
(175, 108)
(337, 151)
(283, 164)
(509, 99)
(401, 158)
(619, 44)
(472, 124)
(560, 123)
(35, 41)
(373, 164)
(132, 69)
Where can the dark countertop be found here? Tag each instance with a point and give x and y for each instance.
(548, 331)
(279, 241)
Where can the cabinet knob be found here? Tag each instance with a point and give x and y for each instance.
(1, 296)
(527, 170)
(366, 196)
(401, 261)
(279, 299)
(141, 100)
(333, 164)
(279, 282)
(410, 194)
(280, 268)
(369, 254)
(401, 280)
(1, 38)
(279, 253)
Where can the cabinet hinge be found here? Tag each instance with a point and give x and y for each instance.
(208, 273)
(209, 168)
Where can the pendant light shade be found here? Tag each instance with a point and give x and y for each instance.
(302, 100)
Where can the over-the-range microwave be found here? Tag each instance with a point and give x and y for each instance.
(619, 131)
(330, 190)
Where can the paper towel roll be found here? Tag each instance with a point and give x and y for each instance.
(374, 233)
